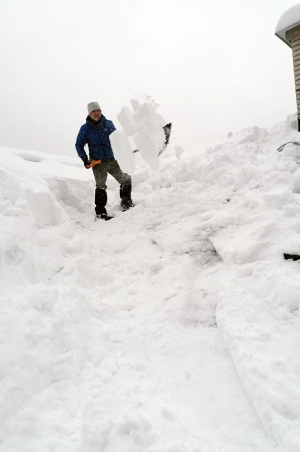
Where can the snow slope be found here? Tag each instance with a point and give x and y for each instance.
(172, 328)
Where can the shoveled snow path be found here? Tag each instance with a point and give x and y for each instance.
(139, 364)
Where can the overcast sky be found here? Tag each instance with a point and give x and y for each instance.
(214, 66)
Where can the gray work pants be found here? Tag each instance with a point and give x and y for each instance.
(112, 167)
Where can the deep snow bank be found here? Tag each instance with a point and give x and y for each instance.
(110, 342)
(258, 309)
(70, 332)
(259, 220)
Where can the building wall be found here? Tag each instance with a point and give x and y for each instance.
(293, 36)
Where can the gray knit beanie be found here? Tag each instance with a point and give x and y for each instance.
(93, 106)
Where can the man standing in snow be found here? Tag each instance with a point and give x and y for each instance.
(95, 132)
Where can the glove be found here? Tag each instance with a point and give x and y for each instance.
(86, 162)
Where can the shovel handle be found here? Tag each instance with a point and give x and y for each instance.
(93, 163)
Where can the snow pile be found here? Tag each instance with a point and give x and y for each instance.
(127, 335)
(289, 19)
(258, 309)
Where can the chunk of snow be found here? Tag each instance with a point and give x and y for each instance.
(145, 125)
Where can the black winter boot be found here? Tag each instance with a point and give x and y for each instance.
(103, 216)
(100, 201)
(125, 195)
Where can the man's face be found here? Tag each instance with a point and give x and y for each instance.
(95, 115)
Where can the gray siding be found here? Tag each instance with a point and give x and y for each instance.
(293, 36)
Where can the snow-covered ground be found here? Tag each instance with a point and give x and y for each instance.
(173, 327)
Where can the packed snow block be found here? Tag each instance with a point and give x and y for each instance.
(30, 196)
(149, 144)
(135, 104)
(145, 126)
(44, 208)
(147, 117)
(241, 244)
(73, 194)
(127, 122)
(122, 150)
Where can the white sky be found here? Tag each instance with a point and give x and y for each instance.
(214, 66)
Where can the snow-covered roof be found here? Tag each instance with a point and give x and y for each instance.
(288, 20)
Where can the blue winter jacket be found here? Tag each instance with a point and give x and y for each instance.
(96, 135)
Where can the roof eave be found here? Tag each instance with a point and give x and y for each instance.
(282, 33)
